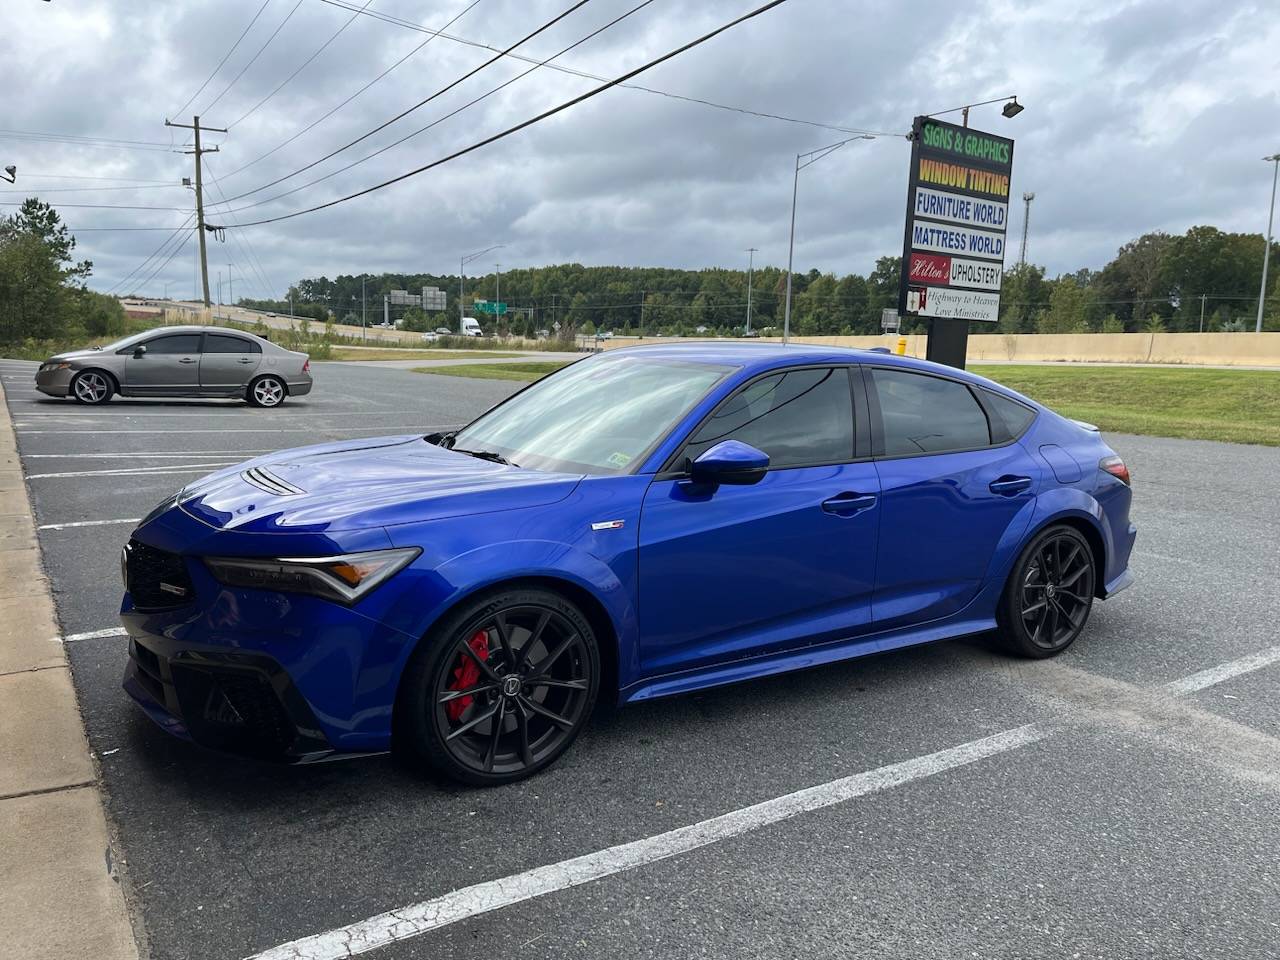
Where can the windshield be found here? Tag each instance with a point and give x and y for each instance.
(597, 416)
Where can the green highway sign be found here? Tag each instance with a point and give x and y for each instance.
(490, 306)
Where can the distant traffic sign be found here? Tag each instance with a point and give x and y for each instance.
(493, 307)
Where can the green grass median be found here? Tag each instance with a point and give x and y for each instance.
(400, 353)
(1237, 406)
(531, 370)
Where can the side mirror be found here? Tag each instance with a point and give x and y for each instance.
(139, 350)
(732, 462)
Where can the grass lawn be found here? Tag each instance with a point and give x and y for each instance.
(1238, 406)
(393, 353)
(498, 371)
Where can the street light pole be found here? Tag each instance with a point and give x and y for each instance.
(462, 269)
(751, 260)
(364, 310)
(810, 158)
(1274, 160)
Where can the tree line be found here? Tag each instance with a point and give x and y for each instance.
(1204, 279)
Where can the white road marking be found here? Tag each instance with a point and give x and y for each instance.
(416, 919)
(1226, 671)
(492, 895)
(138, 471)
(92, 635)
(86, 523)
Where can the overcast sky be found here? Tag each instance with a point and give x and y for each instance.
(1139, 116)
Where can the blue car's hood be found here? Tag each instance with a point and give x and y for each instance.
(365, 483)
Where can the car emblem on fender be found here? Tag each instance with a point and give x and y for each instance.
(608, 525)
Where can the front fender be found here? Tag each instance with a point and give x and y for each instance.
(453, 580)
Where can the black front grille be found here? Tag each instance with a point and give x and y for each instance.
(156, 579)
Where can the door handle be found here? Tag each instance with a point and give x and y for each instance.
(1008, 486)
(245, 360)
(187, 360)
(847, 504)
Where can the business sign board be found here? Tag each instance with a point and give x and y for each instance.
(957, 216)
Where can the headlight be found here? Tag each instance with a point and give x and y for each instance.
(47, 367)
(345, 578)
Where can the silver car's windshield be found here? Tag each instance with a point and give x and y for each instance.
(596, 416)
(124, 342)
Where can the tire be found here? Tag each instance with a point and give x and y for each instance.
(540, 706)
(91, 387)
(267, 392)
(1047, 599)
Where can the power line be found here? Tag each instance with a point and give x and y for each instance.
(245, 248)
(452, 113)
(156, 272)
(410, 25)
(254, 58)
(41, 191)
(155, 253)
(75, 176)
(326, 116)
(421, 103)
(302, 67)
(243, 34)
(73, 140)
(97, 206)
(532, 120)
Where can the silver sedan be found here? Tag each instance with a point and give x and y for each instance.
(180, 362)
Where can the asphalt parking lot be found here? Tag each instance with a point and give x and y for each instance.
(1120, 801)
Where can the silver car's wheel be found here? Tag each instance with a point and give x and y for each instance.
(267, 392)
(92, 387)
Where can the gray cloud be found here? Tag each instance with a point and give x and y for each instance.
(1139, 116)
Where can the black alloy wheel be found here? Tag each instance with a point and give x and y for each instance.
(501, 688)
(1047, 600)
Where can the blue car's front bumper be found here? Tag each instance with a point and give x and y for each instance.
(276, 675)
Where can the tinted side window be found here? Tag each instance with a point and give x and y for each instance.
(222, 343)
(1015, 415)
(924, 414)
(799, 417)
(178, 343)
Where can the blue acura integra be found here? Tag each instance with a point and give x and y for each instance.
(644, 522)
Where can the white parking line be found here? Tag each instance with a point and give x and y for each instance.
(86, 523)
(91, 635)
(1207, 678)
(138, 471)
(481, 898)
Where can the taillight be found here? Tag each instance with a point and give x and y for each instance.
(306, 365)
(1115, 466)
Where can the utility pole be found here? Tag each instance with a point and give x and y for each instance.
(642, 296)
(751, 262)
(1026, 220)
(364, 310)
(1274, 160)
(1203, 297)
(231, 294)
(198, 152)
(219, 288)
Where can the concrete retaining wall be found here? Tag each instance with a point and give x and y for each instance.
(1225, 349)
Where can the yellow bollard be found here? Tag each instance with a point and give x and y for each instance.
(902, 346)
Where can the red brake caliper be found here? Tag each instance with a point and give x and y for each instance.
(465, 675)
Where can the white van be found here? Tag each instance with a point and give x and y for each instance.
(471, 327)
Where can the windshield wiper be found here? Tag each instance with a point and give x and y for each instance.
(484, 455)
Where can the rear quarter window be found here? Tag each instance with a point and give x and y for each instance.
(1015, 416)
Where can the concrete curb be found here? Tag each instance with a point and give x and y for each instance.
(60, 896)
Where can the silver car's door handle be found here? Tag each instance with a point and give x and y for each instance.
(187, 360)
(245, 360)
